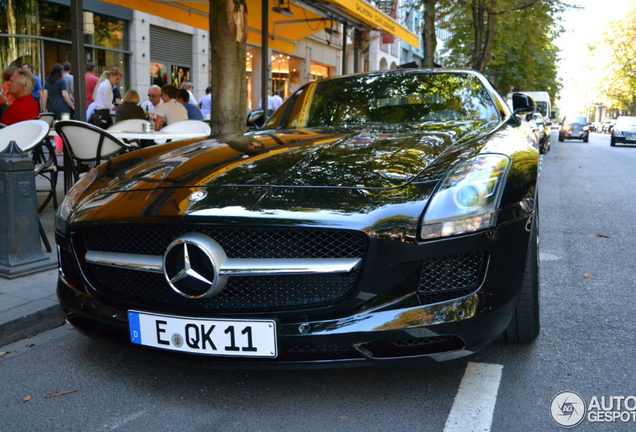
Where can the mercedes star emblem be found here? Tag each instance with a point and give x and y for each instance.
(191, 266)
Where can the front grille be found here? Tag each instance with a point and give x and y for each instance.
(411, 342)
(315, 347)
(240, 293)
(236, 242)
(450, 277)
(249, 293)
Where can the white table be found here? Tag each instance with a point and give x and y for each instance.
(154, 135)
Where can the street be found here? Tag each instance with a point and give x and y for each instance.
(587, 345)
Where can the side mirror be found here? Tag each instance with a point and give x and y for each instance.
(552, 115)
(548, 123)
(522, 103)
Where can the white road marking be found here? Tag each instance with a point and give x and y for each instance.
(474, 404)
(128, 419)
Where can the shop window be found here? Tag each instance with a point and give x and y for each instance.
(318, 72)
(109, 32)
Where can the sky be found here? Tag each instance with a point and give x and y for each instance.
(582, 26)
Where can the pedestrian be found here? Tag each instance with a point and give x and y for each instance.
(205, 104)
(37, 90)
(194, 113)
(91, 82)
(129, 108)
(170, 110)
(56, 98)
(104, 99)
(277, 101)
(24, 107)
(70, 83)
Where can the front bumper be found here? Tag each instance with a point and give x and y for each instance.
(576, 134)
(386, 328)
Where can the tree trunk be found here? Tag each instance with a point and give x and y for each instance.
(428, 34)
(228, 35)
(490, 39)
(478, 24)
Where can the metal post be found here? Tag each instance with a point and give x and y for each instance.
(20, 250)
(344, 48)
(356, 51)
(264, 58)
(79, 58)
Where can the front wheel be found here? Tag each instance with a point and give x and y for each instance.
(586, 139)
(560, 138)
(525, 325)
(612, 142)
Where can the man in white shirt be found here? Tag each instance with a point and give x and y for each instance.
(275, 101)
(206, 103)
(170, 110)
(154, 99)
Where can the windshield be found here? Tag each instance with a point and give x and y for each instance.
(393, 98)
(626, 122)
(542, 107)
(576, 120)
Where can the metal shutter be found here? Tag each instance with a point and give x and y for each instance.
(169, 46)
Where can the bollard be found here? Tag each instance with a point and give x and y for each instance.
(20, 250)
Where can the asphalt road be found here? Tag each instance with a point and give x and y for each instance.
(587, 345)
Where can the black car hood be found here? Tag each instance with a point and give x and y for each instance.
(366, 157)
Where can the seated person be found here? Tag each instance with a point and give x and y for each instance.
(129, 109)
(194, 113)
(170, 110)
(24, 107)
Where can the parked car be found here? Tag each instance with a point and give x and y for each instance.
(607, 126)
(543, 130)
(377, 217)
(624, 131)
(574, 127)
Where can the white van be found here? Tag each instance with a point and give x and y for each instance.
(542, 99)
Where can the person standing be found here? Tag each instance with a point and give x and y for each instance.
(189, 87)
(276, 101)
(170, 110)
(206, 103)
(91, 83)
(37, 90)
(6, 76)
(56, 98)
(70, 83)
(104, 99)
(194, 113)
(24, 107)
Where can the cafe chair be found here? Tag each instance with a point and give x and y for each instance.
(30, 135)
(49, 118)
(85, 146)
(134, 125)
(190, 126)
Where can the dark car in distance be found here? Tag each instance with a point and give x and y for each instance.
(377, 217)
(574, 127)
(624, 131)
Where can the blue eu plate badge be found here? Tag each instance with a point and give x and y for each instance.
(135, 330)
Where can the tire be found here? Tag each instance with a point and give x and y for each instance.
(586, 139)
(525, 324)
(612, 142)
(561, 138)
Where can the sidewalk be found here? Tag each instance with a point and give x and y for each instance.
(28, 304)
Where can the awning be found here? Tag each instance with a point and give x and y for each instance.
(287, 30)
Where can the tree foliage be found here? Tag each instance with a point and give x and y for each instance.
(511, 41)
(617, 83)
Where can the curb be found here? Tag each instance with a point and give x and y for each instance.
(30, 319)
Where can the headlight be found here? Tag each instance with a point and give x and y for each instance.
(617, 132)
(71, 200)
(567, 127)
(586, 128)
(468, 197)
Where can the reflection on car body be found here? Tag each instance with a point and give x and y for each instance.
(376, 217)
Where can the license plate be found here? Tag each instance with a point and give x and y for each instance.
(217, 337)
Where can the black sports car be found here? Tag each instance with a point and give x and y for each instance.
(376, 217)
